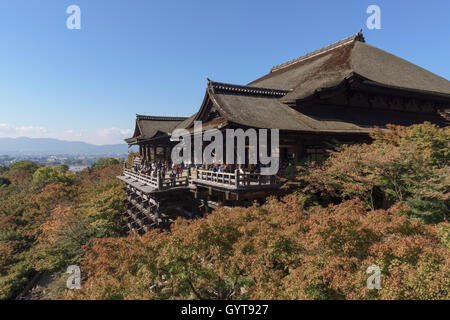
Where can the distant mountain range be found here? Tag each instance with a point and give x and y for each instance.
(44, 146)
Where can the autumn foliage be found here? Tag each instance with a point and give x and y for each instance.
(408, 165)
(280, 250)
(47, 214)
(384, 204)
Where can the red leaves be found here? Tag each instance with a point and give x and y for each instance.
(406, 165)
(276, 251)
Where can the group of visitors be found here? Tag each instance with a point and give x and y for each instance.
(253, 169)
(217, 168)
(151, 168)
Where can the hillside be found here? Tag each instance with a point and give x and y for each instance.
(383, 204)
(48, 213)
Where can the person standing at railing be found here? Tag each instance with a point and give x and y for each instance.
(172, 176)
(163, 171)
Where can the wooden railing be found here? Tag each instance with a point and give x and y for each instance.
(157, 182)
(235, 180)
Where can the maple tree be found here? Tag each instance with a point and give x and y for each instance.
(409, 165)
(280, 250)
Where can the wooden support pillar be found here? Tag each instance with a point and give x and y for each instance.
(224, 144)
(159, 181)
(298, 152)
(192, 155)
(147, 152)
(168, 155)
(164, 153)
(144, 151)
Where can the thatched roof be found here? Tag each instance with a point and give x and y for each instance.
(266, 102)
(254, 107)
(187, 122)
(148, 127)
(329, 66)
(258, 108)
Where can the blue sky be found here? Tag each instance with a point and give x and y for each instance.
(153, 57)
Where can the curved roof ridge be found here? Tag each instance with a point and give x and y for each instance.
(246, 89)
(355, 37)
(159, 118)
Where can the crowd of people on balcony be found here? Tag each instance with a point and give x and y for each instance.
(151, 168)
(229, 169)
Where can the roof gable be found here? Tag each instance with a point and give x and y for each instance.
(329, 66)
(148, 127)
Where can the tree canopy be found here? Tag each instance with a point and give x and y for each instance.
(47, 214)
(46, 175)
(106, 162)
(408, 165)
(384, 203)
(280, 250)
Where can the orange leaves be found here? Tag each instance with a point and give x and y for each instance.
(100, 175)
(54, 194)
(6, 254)
(120, 267)
(391, 136)
(276, 251)
(60, 221)
(46, 224)
(406, 165)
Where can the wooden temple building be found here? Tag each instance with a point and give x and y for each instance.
(333, 95)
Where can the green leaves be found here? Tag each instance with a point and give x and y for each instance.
(48, 214)
(46, 175)
(276, 251)
(407, 165)
(105, 162)
(26, 166)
